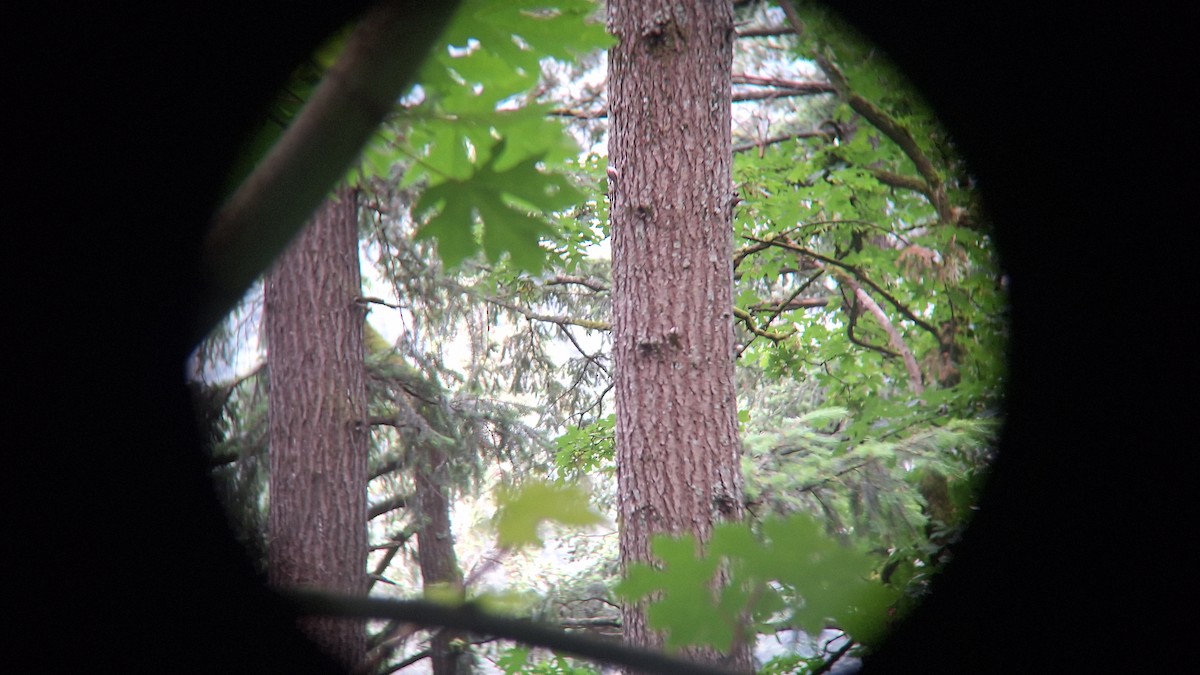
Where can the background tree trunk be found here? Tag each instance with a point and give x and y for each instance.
(678, 467)
(318, 453)
(435, 551)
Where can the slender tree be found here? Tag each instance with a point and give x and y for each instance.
(435, 550)
(669, 164)
(317, 533)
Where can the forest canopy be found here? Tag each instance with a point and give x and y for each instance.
(868, 319)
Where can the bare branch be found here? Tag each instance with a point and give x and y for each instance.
(765, 31)
(470, 618)
(787, 244)
(750, 324)
(598, 114)
(815, 89)
(588, 282)
(392, 547)
(751, 145)
(790, 304)
(387, 505)
(898, 181)
(916, 381)
(810, 86)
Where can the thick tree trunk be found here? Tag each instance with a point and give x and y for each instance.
(318, 453)
(678, 453)
(435, 552)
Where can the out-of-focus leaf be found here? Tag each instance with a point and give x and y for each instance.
(521, 511)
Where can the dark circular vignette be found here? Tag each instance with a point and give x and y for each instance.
(125, 119)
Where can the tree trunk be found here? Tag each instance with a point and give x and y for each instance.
(435, 551)
(318, 451)
(678, 454)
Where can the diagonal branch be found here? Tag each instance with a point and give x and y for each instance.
(898, 133)
(779, 309)
(853, 323)
(470, 618)
(273, 203)
(387, 505)
(915, 378)
(750, 324)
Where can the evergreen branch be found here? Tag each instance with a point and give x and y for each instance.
(371, 300)
(392, 547)
(837, 474)
(396, 540)
(394, 463)
(535, 316)
(593, 359)
(469, 617)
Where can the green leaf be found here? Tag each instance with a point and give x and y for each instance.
(444, 593)
(521, 511)
(793, 568)
(513, 659)
(501, 199)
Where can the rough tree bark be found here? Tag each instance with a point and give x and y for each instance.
(317, 528)
(670, 152)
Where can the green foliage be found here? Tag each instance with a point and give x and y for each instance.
(585, 450)
(788, 573)
(789, 664)
(856, 482)
(500, 198)
(478, 145)
(516, 660)
(520, 511)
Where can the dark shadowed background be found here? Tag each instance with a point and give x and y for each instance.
(120, 121)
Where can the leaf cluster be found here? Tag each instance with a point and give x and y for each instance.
(787, 573)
